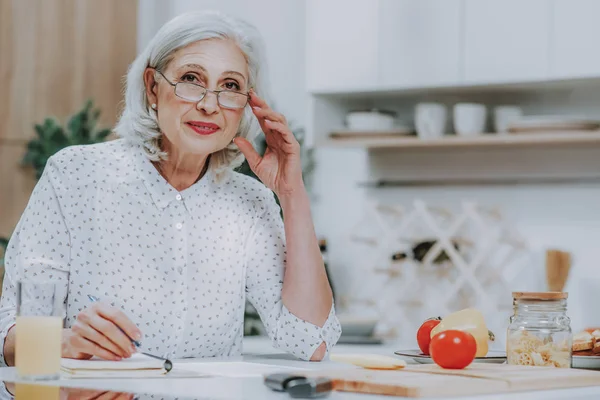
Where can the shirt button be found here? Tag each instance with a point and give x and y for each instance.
(178, 197)
(179, 225)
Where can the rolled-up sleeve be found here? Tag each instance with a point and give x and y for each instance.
(38, 250)
(266, 259)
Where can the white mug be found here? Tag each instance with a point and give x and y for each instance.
(430, 120)
(469, 119)
(504, 116)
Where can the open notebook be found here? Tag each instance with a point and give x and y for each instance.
(137, 366)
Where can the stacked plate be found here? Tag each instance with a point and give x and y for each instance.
(550, 123)
(492, 357)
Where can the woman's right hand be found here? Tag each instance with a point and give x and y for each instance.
(96, 333)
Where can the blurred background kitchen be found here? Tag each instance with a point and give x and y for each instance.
(452, 147)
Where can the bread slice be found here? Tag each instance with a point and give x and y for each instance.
(596, 348)
(583, 341)
(369, 361)
(596, 335)
(584, 353)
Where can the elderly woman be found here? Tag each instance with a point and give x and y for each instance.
(159, 226)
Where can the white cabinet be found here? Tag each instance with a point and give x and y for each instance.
(575, 49)
(506, 40)
(420, 42)
(341, 44)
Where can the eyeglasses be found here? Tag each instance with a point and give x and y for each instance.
(192, 92)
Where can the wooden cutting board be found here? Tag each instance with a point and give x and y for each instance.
(433, 381)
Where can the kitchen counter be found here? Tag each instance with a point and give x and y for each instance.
(258, 350)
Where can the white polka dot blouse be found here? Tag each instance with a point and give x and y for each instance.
(103, 222)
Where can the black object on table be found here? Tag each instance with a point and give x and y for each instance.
(299, 387)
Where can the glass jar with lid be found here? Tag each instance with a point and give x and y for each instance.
(539, 333)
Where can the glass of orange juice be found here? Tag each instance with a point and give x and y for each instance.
(38, 330)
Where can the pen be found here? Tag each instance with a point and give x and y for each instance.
(168, 364)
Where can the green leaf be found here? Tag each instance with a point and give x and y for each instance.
(53, 137)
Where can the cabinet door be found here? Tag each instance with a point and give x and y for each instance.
(507, 40)
(575, 48)
(420, 42)
(341, 44)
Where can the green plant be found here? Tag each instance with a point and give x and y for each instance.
(3, 246)
(52, 137)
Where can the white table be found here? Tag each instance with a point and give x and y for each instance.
(258, 350)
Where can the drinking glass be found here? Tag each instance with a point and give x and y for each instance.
(38, 330)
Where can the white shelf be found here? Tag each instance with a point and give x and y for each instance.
(452, 141)
(386, 91)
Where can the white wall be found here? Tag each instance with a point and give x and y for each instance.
(563, 216)
(566, 217)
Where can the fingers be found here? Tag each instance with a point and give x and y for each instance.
(119, 319)
(99, 326)
(93, 335)
(114, 396)
(108, 329)
(92, 394)
(283, 129)
(256, 101)
(249, 152)
(86, 346)
(267, 113)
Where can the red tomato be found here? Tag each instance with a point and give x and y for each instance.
(424, 334)
(453, 349)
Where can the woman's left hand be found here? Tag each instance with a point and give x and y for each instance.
(280, 168)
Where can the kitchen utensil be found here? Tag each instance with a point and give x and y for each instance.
(558, 265)
(430, 120)
(469, 119)
(492, 357)
(299, 386)
(504, 115)
(370, 120)
(433, 381)
(549, 123)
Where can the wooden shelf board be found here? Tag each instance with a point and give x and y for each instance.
(453, 141)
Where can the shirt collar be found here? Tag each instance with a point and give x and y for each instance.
(161, 192)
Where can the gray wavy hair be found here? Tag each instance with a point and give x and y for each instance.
(138, 123)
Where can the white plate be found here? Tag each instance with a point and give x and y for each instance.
(492, 357)
(534, 122)
(586, 362)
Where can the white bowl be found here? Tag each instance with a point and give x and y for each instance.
(369, 121)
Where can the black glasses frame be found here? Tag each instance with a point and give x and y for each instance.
(216, 92)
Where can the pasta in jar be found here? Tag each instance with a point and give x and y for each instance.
(525, 348)
(539, 333)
